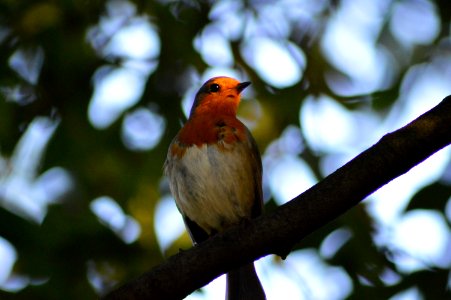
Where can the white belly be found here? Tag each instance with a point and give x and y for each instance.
(214, 188)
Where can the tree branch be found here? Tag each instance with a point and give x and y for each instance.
(277, 232)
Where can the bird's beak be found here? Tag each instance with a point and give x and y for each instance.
(241, 86)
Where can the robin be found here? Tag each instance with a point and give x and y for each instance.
(215, 173)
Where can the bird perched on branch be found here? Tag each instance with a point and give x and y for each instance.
(215, 174)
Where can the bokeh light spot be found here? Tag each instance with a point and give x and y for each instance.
(21, 189)
(110, 214)
(138, 40)
(8, 256)
(214, 47)
(115, 90)
(275, 62)
(422, 236)
(142, 129)
(168, 222)
(349, 43)
(330, 128)
(414, 22)
(327, 282)
(334, 241)
(289, 176)
(28, 63)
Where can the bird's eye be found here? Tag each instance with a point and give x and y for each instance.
(214, 88)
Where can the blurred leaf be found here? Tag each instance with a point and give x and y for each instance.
(39, 17)
(434, 196)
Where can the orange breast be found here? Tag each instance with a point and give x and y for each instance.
(208, 129)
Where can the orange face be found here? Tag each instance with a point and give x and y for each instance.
(219, 95)
(215, 106)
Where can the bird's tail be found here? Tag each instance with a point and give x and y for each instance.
(243, 284)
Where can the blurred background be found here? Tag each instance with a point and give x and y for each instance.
(92, 93)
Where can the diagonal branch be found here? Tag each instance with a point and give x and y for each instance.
(277, 232)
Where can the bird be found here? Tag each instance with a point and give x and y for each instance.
(215, 174)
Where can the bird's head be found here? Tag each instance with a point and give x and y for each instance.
(218, 95)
